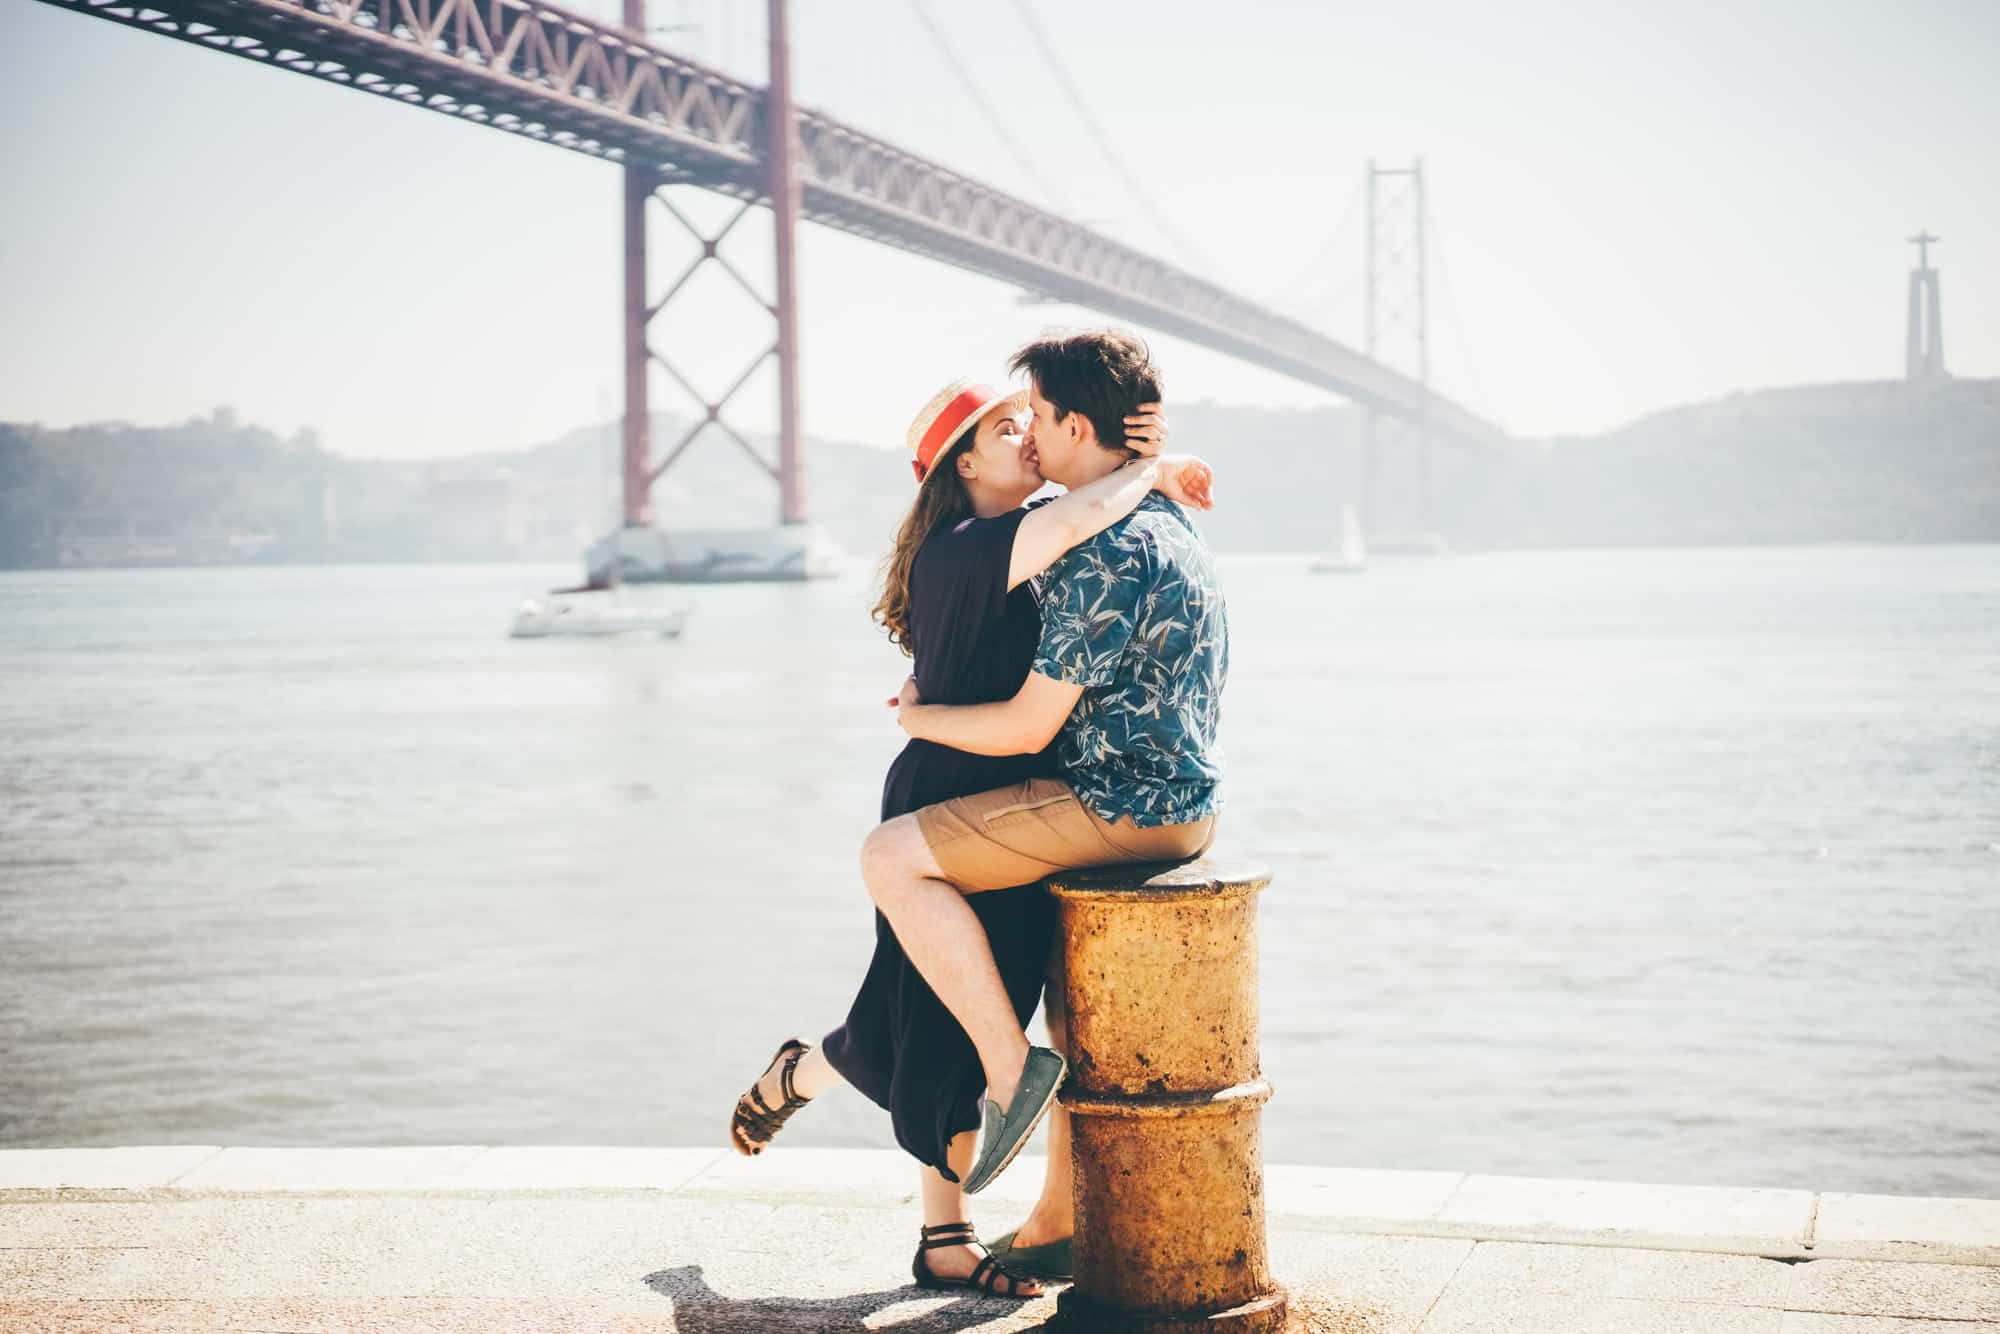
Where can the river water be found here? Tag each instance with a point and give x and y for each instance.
(1675, 866)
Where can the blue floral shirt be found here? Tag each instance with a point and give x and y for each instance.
(1135, 617)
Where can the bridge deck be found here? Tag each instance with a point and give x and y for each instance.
(536, 70)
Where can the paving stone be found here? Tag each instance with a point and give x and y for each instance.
(529, 1168)
(139, 1167)
(1677, 1217)
(1362, 1284)
(1613, 1271)
(875, 1176)
(63, 1223)
(1483, 1311)
(1357, 1194)
(1797, 1322)
(330, 1169)
(490, 1316)
(51, 1273)
(816, 1240)
(530, 1262)
(334, 1316)
(1893, 1227)
(1879, 1287)
(547, 1248)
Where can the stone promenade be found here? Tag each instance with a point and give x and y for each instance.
(701, 1242)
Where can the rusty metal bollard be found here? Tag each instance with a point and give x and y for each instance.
(1165, 1095)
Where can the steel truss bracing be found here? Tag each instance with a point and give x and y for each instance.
(539, 71)
(710, 244)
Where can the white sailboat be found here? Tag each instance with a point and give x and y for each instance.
(598, 607)
(1350, 555)
(592, 616)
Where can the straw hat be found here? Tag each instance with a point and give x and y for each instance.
(952, 411)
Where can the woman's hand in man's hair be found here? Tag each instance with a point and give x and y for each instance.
(1146, 430)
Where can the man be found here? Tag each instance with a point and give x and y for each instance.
(1127, 680)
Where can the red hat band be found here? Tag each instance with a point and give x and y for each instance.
(949, 421)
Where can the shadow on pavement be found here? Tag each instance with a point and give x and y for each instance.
(700, 1309)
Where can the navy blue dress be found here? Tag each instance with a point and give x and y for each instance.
(974, 641)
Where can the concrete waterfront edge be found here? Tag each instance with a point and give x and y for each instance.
(1361, 1201)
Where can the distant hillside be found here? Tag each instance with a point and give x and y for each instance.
(1846, 462)
(210, 490)
(1880, 461)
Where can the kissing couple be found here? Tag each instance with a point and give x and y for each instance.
(1069, 658)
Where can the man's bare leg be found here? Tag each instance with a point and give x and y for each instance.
(1054, 1216)
(943, 937)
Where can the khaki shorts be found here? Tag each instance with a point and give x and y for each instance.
(1016, 835)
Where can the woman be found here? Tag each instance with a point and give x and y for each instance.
(956, 597)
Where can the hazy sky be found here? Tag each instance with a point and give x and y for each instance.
(1632, 206)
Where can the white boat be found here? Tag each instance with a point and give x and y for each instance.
(1351, 555)
(593, 616)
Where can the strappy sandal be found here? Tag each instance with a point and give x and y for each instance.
(986, 1276)
(755, 1122)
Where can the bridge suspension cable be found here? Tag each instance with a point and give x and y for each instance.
(1451, 312)
(993, 121)
(1303, 292)
(1153, 212)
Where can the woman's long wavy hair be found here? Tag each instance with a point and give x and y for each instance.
(940, 499)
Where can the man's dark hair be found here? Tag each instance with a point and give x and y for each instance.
(1105, 374)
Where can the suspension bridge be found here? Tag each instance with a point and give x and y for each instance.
(608, 91)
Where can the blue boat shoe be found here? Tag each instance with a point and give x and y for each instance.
(1006, 1132)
